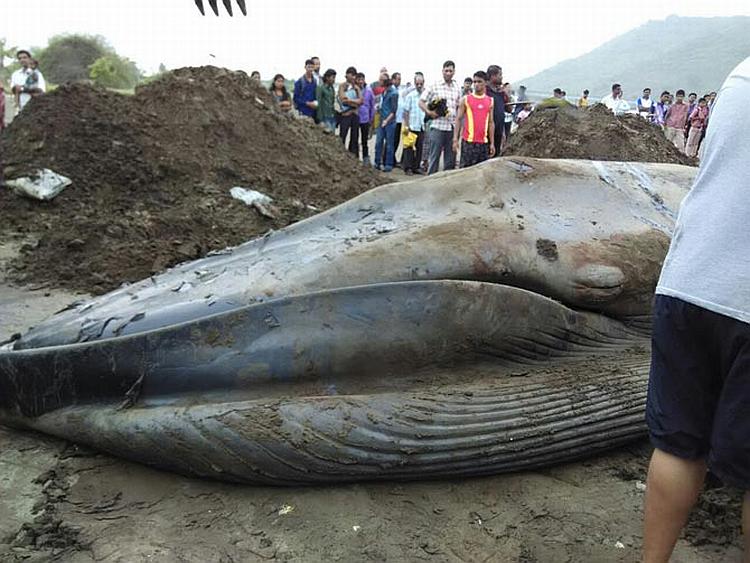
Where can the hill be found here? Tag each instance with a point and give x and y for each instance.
(695, 54)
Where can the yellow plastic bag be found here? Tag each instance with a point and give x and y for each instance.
(409, 139)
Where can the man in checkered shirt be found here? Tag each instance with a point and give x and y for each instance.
(440, 127)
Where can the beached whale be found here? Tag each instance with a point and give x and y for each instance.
(472, 322)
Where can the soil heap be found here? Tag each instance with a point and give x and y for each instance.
(152, 173)
(594, 133)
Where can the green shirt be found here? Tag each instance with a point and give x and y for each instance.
(325, 95)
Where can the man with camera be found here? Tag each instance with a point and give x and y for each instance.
(440, 104)
(27, 81)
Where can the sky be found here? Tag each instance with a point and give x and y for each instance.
(401, 35)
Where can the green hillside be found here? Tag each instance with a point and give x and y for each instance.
(694, 54)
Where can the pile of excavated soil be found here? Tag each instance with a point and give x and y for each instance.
(152, 173)
(596, 134)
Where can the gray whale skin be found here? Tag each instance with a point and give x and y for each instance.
(473, 322)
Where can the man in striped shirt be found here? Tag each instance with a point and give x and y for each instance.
(475, 117)
(440, 104)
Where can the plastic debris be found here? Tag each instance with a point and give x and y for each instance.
(43, 185)
(255, 199)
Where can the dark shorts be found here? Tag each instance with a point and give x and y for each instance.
(699, 388)
(474, 153)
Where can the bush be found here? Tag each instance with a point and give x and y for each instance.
(113, 71)
(67, 58)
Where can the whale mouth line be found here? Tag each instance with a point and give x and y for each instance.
(360, 339)
(123, 326)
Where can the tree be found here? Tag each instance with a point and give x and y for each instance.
(6, 52)
(114, 71)
(68, 57)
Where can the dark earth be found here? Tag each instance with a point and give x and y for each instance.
(152, 173)
(594, 134)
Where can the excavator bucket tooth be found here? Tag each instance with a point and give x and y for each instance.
(227, 4)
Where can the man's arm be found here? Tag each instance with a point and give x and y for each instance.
(491, 130)
(371, 105)
(41, 85)
(342, 94)
(423, 104)
(405, 115)
(459, 122)
(297, 95)
(359, 100)
(313, 104)
(17, 82)
(390, 117)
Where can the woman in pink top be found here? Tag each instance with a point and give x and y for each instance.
(697, 122)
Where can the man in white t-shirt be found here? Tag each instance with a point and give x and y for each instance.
(27, 81)
(698, 406)
(646, 105)
(615, 102)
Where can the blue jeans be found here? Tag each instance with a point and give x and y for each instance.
(385, 134)
(329, 123)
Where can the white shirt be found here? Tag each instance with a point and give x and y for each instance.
(708, 263)
(645, 103)
(20, 78)
(617, 105)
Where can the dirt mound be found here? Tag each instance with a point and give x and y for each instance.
(595, 133)
(152, 172)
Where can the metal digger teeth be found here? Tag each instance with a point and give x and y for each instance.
(227, 5)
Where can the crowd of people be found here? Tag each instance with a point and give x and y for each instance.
(431, 123)
(434, 123)
(684, 121)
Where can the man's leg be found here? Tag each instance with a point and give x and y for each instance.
(679, 140)
(693, 138)
(499, 135)
(436, 148)
(354, 135)
(379, 139)
(407, 160)
(396, 140)
(419, 147)
(364, 133)
(390, 133)
(746, 523)
(483, 153)
(672, 487)
(449, 158)
(506, 133)
(464, 161)
(343, 128)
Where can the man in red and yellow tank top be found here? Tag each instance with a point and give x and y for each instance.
(475, 119)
